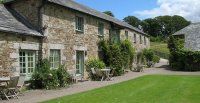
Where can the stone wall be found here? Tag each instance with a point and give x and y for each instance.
(192, 41)
(29, 9)
(138, 46)
(10, 44)
(60, 33)
(60, 23)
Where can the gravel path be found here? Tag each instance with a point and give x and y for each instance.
(34, 96)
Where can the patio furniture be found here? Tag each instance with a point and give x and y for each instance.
(106, 73)
(20, 85)
(99, 74)
(4, 81)
(111, 74)
(140, 68)
(75, 77)
(12, 86)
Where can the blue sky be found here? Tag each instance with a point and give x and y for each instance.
(142, 9)
(121, 8)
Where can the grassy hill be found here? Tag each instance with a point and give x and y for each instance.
(160, 49)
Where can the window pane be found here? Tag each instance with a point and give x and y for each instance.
(27, 61)
(54, 58)
(79, 23)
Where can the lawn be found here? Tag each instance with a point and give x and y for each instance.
(161, 49)
(146, 89)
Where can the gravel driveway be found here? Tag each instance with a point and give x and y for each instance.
(34, 96)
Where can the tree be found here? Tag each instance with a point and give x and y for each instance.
(132, 20)
(109, 13)
(152, 27)
(164, 26)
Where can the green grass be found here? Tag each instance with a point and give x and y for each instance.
(146, 89)
(160, 49)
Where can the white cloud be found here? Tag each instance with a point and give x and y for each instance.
(190, 9)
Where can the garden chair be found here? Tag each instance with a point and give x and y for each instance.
(73, 75)
(100, 74)
(11, 88)
(111, 74)
(20, 85)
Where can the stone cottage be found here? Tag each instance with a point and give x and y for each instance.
(191, 34)
(62, 30)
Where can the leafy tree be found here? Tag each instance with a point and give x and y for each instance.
(109, 13)
(152, 27)
(132, 20)
(164, 25)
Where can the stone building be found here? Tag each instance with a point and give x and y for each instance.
(191, 34)
(63, 31)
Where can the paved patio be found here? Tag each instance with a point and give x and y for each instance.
(34, 96)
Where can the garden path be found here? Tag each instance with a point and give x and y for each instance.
(34, 96)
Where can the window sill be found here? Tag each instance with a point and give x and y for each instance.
(99, 35)
(79, 31)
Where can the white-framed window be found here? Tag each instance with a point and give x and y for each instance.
(135, 38)
(101, 29)
(27, 60)
(79, 24)
(55, 60)
(126, 34)
(140, 39)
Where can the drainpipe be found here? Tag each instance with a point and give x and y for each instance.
(41, 29)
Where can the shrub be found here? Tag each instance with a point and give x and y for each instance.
(64, 78)
(45, 78)
(116, 60)
(128, 53)
(105, 54)
(149, 54)
(94, 63)
(156, 59)
(150, 57)
(119, 56)
(181, 59)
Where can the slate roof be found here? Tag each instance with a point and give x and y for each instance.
(193, 28)
(10, 21)
(84, 9)
(81, 8)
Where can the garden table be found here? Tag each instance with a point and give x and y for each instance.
(106, 73)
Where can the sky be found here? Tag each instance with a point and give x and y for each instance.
(143, 9)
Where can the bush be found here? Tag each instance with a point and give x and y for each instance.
(150, 57)
(149, 54)
(128, 53)
(181, 59)
(45, 78)
(116, 60)
(156, 59)
(94, 63)
(64, 78)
